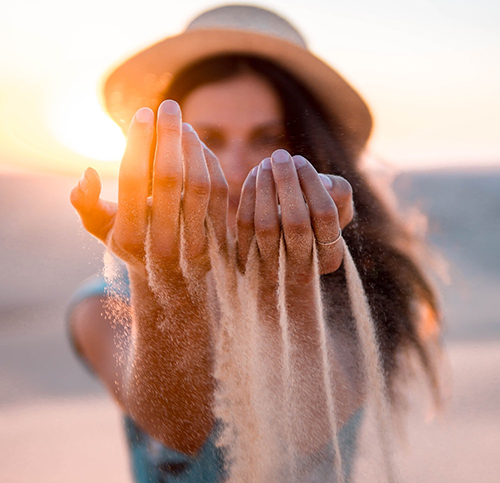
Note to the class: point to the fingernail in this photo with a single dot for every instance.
(83, 183)
(280, 156)
(169, 107)
(187, 127)
(144, 115)
(299, 161)
(327, 182)
(254, 171)
(266, 163)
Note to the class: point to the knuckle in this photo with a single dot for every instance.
(330, 262)
(167, 180)
(199, 187)
(245, 222)
(219, 187)
(330, 266)
(297, 227)
(163, 257)
(266, 228)
(327, 214)
(122, 244)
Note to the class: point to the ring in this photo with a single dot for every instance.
(329, 244)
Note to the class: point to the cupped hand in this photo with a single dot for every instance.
(160, 229)
(286, 195)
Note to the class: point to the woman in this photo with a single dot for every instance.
(250, 94)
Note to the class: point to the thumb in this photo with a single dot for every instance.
(97, 215)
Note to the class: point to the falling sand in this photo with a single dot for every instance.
(275, 398)
(261, 372)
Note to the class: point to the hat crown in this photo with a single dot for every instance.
(248, 18)
(232, 30)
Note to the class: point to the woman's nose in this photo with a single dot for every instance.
(236, 164)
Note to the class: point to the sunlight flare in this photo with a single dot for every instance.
(79, 123)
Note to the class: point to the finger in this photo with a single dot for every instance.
(167, 185)
(245, 229)
(294, 212)
(129, 231)
(324, 215)
(341, 191)
(96, 214)
(85, 195)
(267, 222)
(196, 194)
(217, 206)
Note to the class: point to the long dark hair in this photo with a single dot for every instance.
(401, 298)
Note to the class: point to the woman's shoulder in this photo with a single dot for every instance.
(116, 284)
(90, 325)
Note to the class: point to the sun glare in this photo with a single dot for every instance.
(79, 123)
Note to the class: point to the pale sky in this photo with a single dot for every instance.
(428, 69)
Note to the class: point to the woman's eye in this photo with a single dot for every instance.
(212, 139)
(269, 140)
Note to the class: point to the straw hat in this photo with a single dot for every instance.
(235, 29)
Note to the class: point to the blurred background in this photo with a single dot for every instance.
(430, 72)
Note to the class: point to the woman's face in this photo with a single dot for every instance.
(241, 121)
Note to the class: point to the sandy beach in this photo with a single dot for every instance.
(58, 425)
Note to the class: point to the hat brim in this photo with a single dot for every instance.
(142, 80)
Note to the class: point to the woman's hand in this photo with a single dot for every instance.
(285, 193)
(285, 196)
(142, 229)
(162, 238)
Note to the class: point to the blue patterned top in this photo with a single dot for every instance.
(153, 462)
